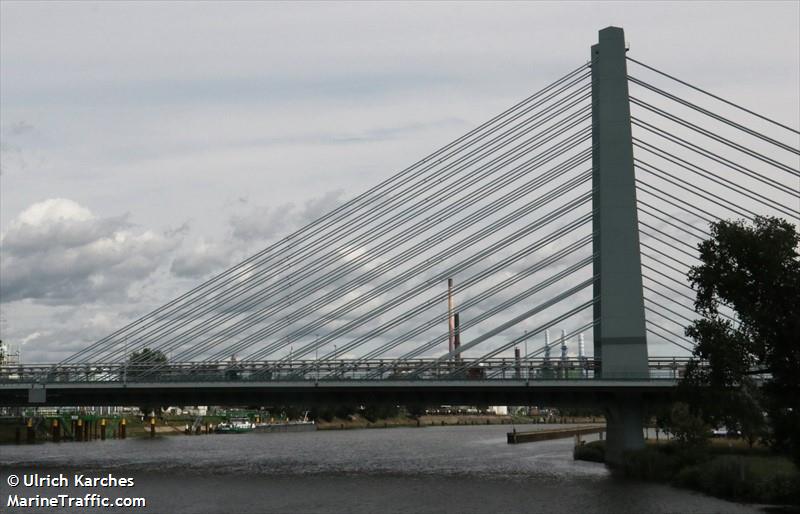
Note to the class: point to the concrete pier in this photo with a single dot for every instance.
(533, 436)
(624, 418)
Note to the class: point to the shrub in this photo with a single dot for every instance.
(651, 464)
(594, 451)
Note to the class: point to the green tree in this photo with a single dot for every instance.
(139, 365)
(753, 270)
(687, 427)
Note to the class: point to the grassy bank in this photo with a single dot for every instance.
(733, 472)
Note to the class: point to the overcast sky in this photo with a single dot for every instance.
(147, 145)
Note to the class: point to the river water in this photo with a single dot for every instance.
(463, 469)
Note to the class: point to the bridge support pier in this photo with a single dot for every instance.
(624, 415)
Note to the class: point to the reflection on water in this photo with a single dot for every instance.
(435, 469)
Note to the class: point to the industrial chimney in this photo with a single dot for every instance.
(450, 323)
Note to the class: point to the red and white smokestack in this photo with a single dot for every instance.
(450, 322)
(457, 337)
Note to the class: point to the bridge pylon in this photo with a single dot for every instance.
(620, 343)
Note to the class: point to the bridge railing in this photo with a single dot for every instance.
(498, 369)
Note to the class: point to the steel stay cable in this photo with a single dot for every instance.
(482, 296)
(684, 295)
(423, 287)
(339, 209)
(651, 236)
(673, 300)
(712, 95)
(391, 264)
(489, 313)
(673, 279)
(508, 324)
(461, 266)
(495, 309)
(687, 307)
(385, 287)
(467, 364)
(711, 155)
(453, 227)
(687, 297)
(254, 283)
(465, 285)
(541, 243)
(669, 340)
(666, 308)
(278, 325)
(686, 186)
(713, 115)
(719, 139)
(673, 268)
(205, 303)
(649, 309)
(686, 206)
(647, 209)
(670, 236)
(714, 178)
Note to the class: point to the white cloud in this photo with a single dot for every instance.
(202, 259)
(56, 251)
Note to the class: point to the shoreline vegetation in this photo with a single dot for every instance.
(725, 468)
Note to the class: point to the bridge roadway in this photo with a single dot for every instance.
(419, 381)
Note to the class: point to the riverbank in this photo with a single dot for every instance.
(136, 427)
(726, 469)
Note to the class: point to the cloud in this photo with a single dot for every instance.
(262, 223)
(57, 252)
(199, 261)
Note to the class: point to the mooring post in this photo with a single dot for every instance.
(620, 343)
(30, 432)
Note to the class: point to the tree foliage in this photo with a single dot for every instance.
(751, 273)
(139, 365)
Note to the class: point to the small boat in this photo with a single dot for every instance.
(302, 425)
(235, 426)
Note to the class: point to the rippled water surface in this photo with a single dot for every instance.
(427, 470)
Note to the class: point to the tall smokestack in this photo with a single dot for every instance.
(450, 323)
(563, 345)
(581, 348)
(546, 346)
(457, 336)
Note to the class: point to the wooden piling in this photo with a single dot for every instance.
(30, 433)
(122, 428)
(152, 427)
(103, 429)
(79, 430)
(55, 430)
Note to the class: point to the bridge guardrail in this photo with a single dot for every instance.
(331, 370)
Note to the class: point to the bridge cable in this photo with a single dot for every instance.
(748, 111)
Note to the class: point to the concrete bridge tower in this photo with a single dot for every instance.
(620, 343)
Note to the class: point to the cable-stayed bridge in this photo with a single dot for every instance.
(578, 209)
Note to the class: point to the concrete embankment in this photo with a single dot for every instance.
(533, 436)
